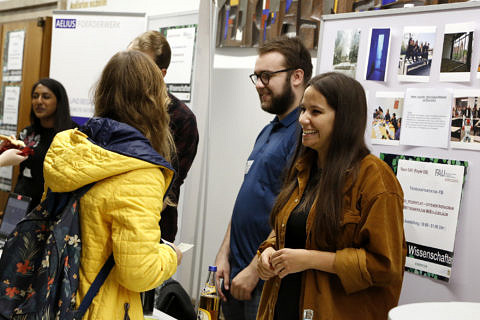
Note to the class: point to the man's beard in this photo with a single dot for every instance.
(281, 103)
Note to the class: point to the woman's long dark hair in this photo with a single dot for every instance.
(346, 149)
(62, 114)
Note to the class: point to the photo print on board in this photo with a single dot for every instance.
(465, 127)
(457, 52)
(378, 55)
(416, 54)
(346, 51)
(387, 118)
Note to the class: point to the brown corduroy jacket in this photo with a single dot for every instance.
(370, 255)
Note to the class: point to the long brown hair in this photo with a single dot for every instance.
(346, 149)
(131, 90)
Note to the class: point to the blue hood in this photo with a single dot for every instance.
(121, 138)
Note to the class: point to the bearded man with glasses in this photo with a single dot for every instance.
(282, 70)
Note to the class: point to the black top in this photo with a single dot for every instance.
(183, 126)
(30, 179)
(288, 300)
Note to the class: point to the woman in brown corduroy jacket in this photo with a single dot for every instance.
(337, 245)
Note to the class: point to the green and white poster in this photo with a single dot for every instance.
(182, 43)
(432, 191)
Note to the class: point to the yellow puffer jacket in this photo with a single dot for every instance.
(119, 214)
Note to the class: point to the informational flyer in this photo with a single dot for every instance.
(179, 75)
(16, 41)
(11, 101)
(12, 64)
(426, 117)
(432, 192)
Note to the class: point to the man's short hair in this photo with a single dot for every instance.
(156, 43)
(295, 53)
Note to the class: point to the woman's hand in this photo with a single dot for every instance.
(264, 267)
(11, 157)
(178, 252)
(286, 261)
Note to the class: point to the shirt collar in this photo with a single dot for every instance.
(291, 118)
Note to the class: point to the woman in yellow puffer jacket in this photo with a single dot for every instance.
(125, 150)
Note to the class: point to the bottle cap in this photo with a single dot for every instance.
(212, 268)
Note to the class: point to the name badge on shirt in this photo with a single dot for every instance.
(27, 172)
(248, 165)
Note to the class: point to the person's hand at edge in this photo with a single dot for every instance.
(11, 157)
(245, 282)
(223, 272)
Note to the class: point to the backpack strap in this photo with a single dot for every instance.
(101, 276)
(80, 192)
(94, 288)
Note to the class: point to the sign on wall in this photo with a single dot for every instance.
(179, 75)
(13, 59)
(82, 43)
(432, 192)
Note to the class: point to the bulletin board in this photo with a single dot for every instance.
(397, 79)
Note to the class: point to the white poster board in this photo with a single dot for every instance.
(432, 193)
(464, 281)
(179, 76)
(180, 29)
(82, 43)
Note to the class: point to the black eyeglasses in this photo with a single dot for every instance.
(265, 76)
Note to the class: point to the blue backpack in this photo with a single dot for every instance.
(40, 263)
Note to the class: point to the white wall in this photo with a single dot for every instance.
(236, 120)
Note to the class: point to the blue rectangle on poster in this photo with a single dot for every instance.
(378, 54)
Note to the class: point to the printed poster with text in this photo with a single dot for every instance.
(432, 191)
(426, 117)
(179, 75)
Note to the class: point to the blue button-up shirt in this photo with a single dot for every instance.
(262, 182)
